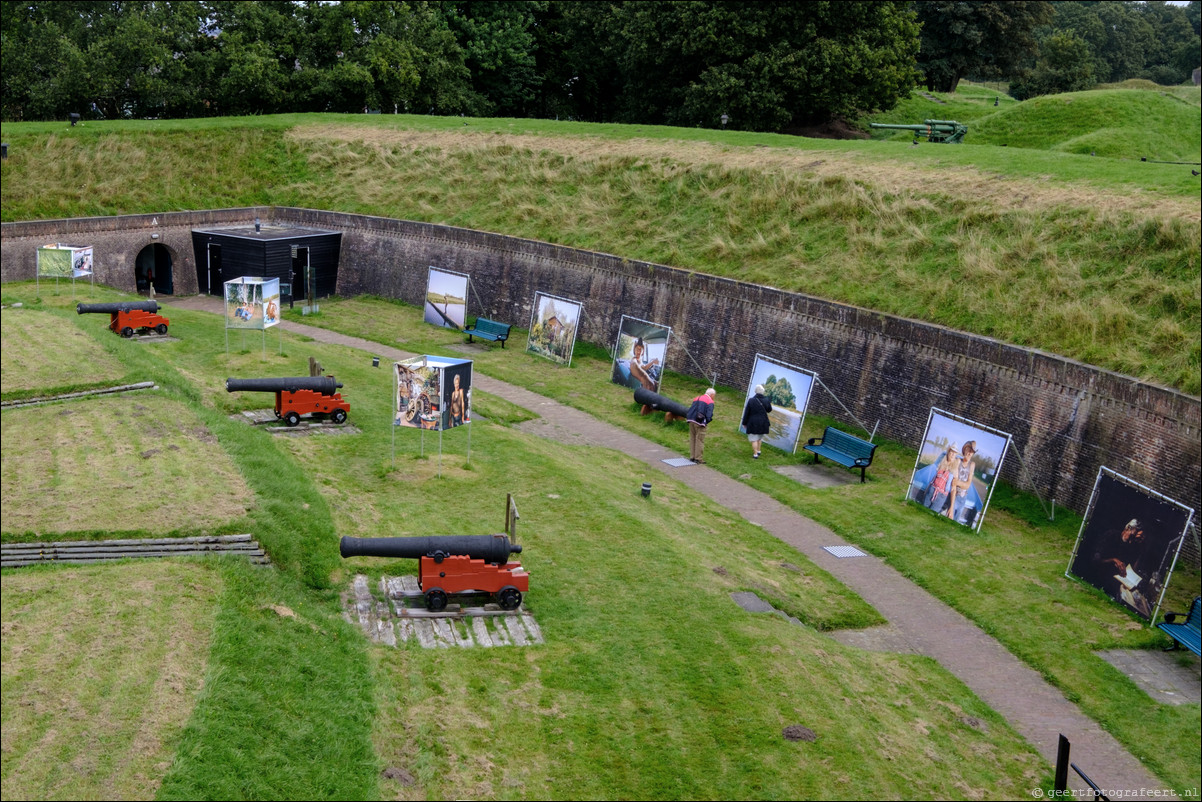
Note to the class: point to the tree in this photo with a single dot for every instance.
(768, 67)
(498, 43)
(1065, 64)
(1118, 36)
(1171, 33)
(984, 39)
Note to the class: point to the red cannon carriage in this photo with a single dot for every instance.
(297, 396)
(453, 564)
(127, 317)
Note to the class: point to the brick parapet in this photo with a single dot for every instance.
(1066, 418)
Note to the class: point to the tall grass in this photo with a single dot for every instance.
(1090, 257)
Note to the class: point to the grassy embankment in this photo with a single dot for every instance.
(1095, 258)
(653, 683)
(1059, 613)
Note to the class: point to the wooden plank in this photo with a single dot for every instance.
(500, 635)
(480, 631)
(153, 541)
(443, 633)
(536, 634)
(516, 630)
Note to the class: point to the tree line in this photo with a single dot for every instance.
(760, 66)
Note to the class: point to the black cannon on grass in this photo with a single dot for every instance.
(297, 396)
(126, 317)
(453, 564)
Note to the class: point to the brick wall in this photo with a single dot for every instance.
(1066, 418)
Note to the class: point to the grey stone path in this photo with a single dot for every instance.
(918, 622)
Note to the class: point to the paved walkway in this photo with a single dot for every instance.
(918, 622)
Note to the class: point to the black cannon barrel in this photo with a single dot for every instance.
(656, 401)
(493, 549)
(122, 306)
(326, 385)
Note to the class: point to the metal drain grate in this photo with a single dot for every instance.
(679, 462)
(845, 551)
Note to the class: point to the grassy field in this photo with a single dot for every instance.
(101, 676)
(665, 691)
(974, 574)
(626, 700)
(1037, 243)
(660, 689)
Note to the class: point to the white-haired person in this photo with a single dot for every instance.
(755, 419)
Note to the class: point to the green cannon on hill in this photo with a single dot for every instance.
(948, 131)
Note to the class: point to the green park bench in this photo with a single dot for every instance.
(1186, 633)
(487, 329)
(843, 448)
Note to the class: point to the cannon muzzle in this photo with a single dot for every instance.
(123, 306)
(494, 549)
(324, 385)
(656, 401)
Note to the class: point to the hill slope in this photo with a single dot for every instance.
(1093, 258)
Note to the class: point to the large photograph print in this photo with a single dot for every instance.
(446, 299)
(65, 261)
(788, 390)
(1129, 542)
(639, 354)
(958, 464)
(553, 328)
(244, 303)
(432, 392)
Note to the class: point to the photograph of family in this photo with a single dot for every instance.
(446, 299)
(786, 393)
(553, 328)
(639, 354)
(958, 463)
(1129, 541)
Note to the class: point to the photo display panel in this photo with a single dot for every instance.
(446, 299)
(639, 354)
(553, 326)
(957, 466)
(788, 389)
(1129, 542)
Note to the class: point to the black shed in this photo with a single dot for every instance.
(269, 250)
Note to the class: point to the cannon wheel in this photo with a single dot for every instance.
(338, 416)
(436, 600)
(291, 418)
(510, 598)
(161, 328)
(127, 332)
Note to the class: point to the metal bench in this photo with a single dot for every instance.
(843, 448)
(1185, 633)
(487, 329)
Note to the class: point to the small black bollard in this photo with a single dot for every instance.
(375, 361)
(646, 489)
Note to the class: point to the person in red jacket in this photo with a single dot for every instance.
(701, 413)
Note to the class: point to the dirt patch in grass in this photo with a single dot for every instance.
(26, 363)
(962, 183)
(85, 715)
(115, 464)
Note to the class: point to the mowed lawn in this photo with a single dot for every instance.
(653, 683)
(102, 667)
